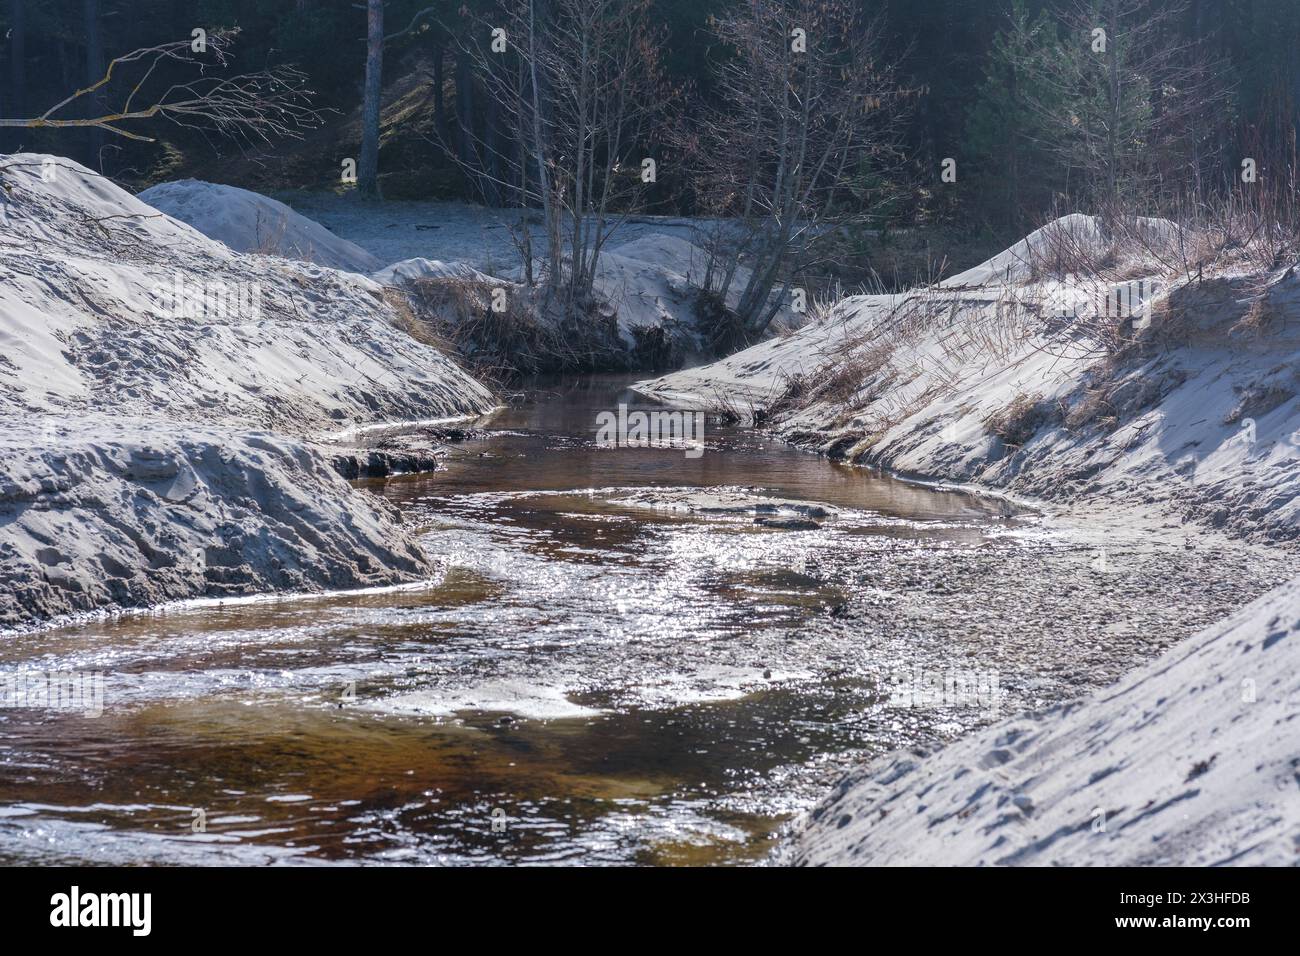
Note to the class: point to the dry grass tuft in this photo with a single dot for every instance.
(1020, 420)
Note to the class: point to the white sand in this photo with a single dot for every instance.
(1205, 426)
(646, 274)
(1192, 760)
(101, 376)
(250, 222)
(104, 511)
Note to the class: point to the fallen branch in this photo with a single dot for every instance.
(264, 104)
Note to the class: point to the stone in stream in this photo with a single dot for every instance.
(788, 524)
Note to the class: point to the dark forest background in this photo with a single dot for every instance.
(974, 62)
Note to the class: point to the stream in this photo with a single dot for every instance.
(616, 663)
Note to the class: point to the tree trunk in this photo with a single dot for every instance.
(537, 15)
(439, 101)
(1013, 184)
(17, 66)
(465, 148)
(492, 155)
(1112, 138)
(368, 168)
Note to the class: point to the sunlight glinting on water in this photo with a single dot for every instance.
(615, 656)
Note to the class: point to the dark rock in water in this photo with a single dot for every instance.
(806, 511)
(788, 524)
(380, 463)
(454, 434)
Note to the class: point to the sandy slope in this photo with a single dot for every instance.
(1200, 418)
(108, 510)
(1194, 759)
(89, 320)
(103, 366)
(250, 222)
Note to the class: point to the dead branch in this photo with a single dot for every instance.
(259, 105)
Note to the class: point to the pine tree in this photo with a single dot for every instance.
(1127, 102)
(1016, 173)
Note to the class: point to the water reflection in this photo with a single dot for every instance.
(622, 682)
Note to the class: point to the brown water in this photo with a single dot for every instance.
(587, 680)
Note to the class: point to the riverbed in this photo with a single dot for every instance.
(617, 662)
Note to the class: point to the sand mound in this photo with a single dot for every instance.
(1056, 244)
(1189, 761)
(107, 303)
(141, 363)
(250, 222)
(1192, 407)
(409, 270)
(112, 511)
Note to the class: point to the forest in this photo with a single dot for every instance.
(1016, 93)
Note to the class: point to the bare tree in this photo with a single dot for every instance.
(247, 106)
(368, 172)
(806, 109)
(576, 88)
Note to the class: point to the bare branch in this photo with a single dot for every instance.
(258, 105)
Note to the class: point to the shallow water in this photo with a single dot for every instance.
(589, 679)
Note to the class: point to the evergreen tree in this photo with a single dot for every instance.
(1015, 172)
(1127, 103)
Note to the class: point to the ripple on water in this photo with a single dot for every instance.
(616, 664)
